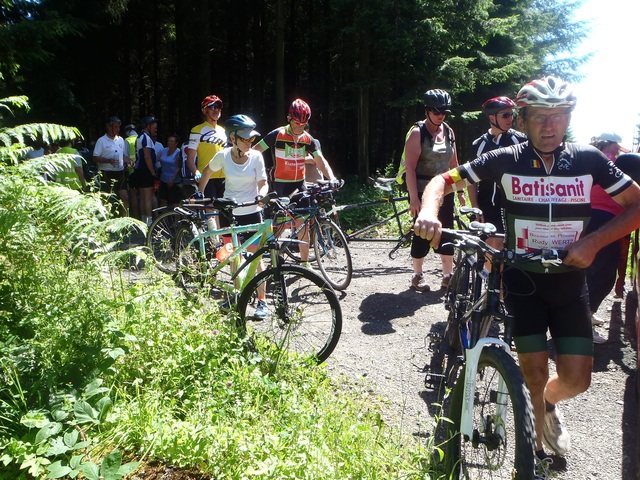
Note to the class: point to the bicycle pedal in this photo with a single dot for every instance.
(434, 380)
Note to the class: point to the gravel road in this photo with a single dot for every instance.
(384, 349)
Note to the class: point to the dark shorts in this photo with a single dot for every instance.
(286, 189)
(141, 178)
(555, 302)
(172, 194)
(420, 246)
(113, 181)
(214, 188)
(242, 220)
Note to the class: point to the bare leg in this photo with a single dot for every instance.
(303, 236)
(572, 378)
(417, 264)
(447, 264)
(535, 368)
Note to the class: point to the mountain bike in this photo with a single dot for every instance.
(304, 318)
(491, 432)
(161, 236)
(330, 245)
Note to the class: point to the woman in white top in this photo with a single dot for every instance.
(246, 179)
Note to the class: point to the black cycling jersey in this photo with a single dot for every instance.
(544, 209)
(488, 190)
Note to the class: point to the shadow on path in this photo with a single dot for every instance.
(377, 311)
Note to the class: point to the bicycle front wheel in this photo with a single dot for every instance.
(332, 254)
(458, 299)
(502, 444)
(304, 314)
(161, 240)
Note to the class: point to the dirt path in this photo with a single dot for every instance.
(385, 346)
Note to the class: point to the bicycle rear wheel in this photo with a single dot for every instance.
(304, 318)
(332, 253)
(161, 240)
(502, 445)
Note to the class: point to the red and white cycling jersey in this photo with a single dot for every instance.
(289, 154)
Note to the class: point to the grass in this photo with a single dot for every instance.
(101, 363)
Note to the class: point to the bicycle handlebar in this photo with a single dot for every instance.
(462, 239)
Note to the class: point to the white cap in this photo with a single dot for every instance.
(613, 137)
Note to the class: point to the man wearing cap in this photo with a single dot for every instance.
(545, 186)
(111, 155)
(205, 140)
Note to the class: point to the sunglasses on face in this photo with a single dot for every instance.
(437, 111)
(249, 140)
(505, 115)
(216, 106)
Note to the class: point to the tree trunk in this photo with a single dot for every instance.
(279, 47)
(363, 107)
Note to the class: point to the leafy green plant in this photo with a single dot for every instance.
(62, 433)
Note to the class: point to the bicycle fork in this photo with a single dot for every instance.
(470, 371)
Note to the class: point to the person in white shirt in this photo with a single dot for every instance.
(111, 156)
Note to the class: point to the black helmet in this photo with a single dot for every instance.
(148, 120)
(113, 119)
(438, 99)
(497, 104)
(241, 125)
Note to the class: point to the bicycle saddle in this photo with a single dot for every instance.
(224, 203)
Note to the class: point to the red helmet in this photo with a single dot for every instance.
(496, 104)
(210, 101)
(300, 111)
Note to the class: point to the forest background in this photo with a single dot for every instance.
(362, 65)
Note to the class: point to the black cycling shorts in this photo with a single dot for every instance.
(247, 219)
(557, 302)
(214, 188)
(420, 246)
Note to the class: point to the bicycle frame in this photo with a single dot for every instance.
(263, 233)
(356, 236)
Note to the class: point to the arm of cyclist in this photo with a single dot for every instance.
(146, 153)
(582, 252)
(453, 163)
(412, 150)
(215, 165)
(427, 224)
(324, 167)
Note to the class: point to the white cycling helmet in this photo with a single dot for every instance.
(547, 92)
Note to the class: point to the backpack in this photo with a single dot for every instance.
(424, 133)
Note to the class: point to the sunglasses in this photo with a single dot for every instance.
(215, 106)
(437, 111)
(506, 114)
(250, 140)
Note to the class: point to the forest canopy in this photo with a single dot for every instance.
(363, 66)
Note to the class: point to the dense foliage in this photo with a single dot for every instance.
(362, 65)
(104, 367)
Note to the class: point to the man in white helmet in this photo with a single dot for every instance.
(545, 185)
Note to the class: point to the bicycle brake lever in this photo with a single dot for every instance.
(550, 258)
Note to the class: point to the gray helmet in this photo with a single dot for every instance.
(241, 125)
(438, 99)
